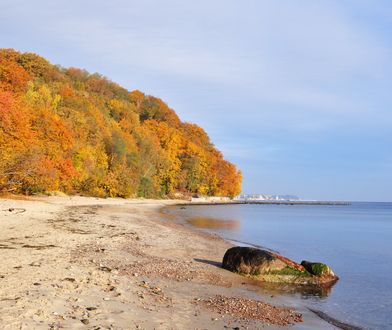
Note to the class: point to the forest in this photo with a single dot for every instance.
(66, 130)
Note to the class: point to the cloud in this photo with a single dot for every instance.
(262, 76)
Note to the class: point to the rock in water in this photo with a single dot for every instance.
(272, 267)
(251, 261)
(317, 268)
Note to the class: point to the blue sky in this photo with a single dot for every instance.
(296, 93)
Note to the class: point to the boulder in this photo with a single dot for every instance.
(317, 268)
(251, 261)
(272, 267)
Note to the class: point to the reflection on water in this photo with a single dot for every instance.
(305, 291)
(212, 223)
(355, 240)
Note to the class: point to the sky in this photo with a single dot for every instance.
(296, 93)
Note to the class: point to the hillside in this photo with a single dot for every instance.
(64, 129)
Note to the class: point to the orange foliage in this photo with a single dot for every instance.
(13, 77)
(68, 130)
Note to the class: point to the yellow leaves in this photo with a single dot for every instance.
(129, 122)
(229, 179)
(45, 98)
(124, 113)
(31, 96)
(172, 143)
(56, 101)
(120, 181)
(87, 159)
(42, 97)
(69, 130)
(192, 162)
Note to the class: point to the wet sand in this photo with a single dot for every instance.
(88, 263)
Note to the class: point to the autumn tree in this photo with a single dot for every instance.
(69, 130)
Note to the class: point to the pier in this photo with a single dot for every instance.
(269, 202)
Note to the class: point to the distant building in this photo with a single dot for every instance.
(263, 197)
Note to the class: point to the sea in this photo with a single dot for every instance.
(354, 240)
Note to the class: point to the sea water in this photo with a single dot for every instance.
(354, 240)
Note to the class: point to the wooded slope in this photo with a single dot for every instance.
(71, 131)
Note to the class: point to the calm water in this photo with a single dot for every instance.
(355, 240)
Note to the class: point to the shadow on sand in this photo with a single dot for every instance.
(209, 262)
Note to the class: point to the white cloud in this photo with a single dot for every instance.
(299, 70)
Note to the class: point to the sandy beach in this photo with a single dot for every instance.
(89, 263)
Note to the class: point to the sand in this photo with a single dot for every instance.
(88, 263)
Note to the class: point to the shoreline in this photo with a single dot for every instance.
(276, 288)
(83, 262)
(266, 202)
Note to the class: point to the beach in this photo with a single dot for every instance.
(89, 263)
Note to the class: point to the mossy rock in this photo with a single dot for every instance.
(317, 268)
(289, 271)
(270, 267)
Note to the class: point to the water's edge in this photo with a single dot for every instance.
(319, 313)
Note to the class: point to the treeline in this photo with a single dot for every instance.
(71, 131)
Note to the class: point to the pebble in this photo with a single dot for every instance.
(105, 268)
(85, 321)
